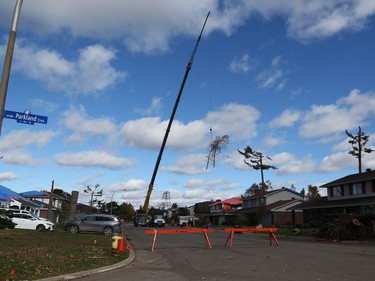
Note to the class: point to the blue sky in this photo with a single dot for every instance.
(286, 78)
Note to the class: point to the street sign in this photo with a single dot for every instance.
(26, 117)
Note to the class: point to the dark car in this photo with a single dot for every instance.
(106, 224)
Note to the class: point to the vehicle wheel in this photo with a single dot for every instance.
(73, 229)
(40, 227)
(108, 231)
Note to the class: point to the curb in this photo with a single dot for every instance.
(72, 276)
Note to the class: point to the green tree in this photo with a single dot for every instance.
(62, 193)
(254, 159)
(358, 143)
(254, 187)
(303, 192)
(312, 192)
(126, 211)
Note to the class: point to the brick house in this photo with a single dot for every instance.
(271, 208)
(353, 194)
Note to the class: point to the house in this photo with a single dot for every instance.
(271, 208)
(222, 209)
(43, 198)
(202, 211)
(353, 194)
(11, 199)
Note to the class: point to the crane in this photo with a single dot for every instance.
(145, 206)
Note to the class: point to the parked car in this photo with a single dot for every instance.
(158, 221)
(106, 224)
(30, 221)
(19, 211)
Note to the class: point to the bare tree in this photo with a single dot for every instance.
(216, 146)
(94, 194)
(254, 159)
(358, 143)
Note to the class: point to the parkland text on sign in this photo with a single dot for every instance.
(26, 117)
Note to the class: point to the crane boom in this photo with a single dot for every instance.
(188, 68)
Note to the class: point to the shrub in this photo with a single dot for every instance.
(6, 222)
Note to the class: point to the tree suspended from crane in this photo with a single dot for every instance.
(216, 146)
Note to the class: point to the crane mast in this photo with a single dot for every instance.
(188, 68)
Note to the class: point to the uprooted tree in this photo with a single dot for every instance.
(254, 159)
(358, 143)
(216, 146)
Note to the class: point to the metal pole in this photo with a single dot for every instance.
(188, 67)
(8, 60)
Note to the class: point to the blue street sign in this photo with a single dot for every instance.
(26, 117)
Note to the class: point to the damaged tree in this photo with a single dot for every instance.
(216, 146)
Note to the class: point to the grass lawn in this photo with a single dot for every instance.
(31, 255)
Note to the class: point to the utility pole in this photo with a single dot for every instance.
(8, 60)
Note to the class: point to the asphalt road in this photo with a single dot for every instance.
(185, 257)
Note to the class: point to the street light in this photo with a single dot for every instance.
(113, 195)
(8, 60)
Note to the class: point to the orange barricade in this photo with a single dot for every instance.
(231, 231)
(180, 231)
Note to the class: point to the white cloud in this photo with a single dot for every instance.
(22, 138)
(77, 120)
(237, 121)
(8, 176)
(91, 72)
(240, 64)
(286, 119)
(287, 164)
(273, 77)
(189, 165)
(348, 112)
(146, 26)
(93, 159)
(273, 141)
(337, 162)
(153, 108)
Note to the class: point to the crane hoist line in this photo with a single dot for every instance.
(188, 68)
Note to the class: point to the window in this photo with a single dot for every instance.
(337, 191)
(357, 188)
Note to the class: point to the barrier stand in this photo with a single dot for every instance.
(180, 231)
(270, 230)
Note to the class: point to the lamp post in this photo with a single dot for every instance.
(113, 195)
(8, 60)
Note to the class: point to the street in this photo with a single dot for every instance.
(185, 257)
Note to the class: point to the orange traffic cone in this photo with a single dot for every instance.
(120, 247)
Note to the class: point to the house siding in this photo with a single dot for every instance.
(347, 190)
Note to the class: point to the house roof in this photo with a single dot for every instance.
(266, 208)
(261, 193)
(230, 201)
(368, 175)
(10, 194)
(34, 193)
(323, 202)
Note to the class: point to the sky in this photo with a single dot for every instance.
(286, 78)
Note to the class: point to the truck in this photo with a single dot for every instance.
(140, 218)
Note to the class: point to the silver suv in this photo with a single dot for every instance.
(106, 224)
